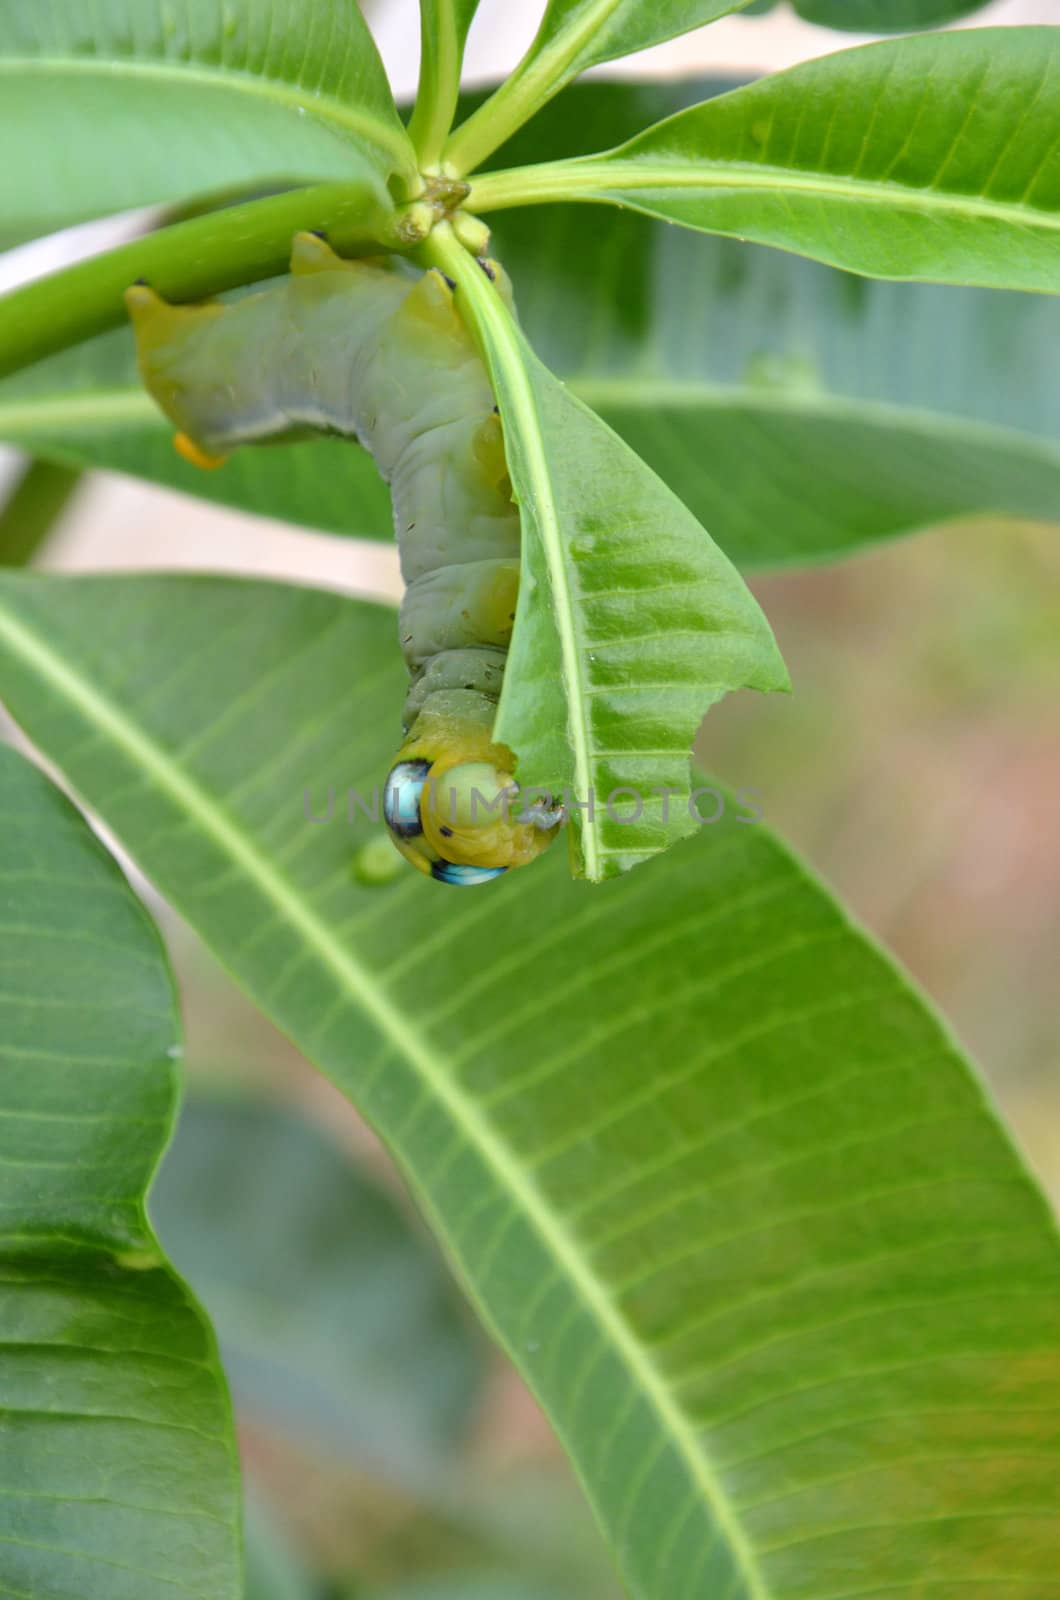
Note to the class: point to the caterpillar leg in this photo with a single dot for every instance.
(451, 802)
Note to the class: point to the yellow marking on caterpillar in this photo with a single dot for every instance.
(186, 447)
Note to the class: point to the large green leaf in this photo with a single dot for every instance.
(931, 157)
(713, 1173)
(335, 1319)
(630, 622)
(574, 35)
(118, 1478)
(797, 410)
(136, 102)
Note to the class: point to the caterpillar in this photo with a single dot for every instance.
(366, 350)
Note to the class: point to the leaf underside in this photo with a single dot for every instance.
(129, 103)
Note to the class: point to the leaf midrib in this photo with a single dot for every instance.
(598, 178)
(331, 113)
(111, 723)
(826, 405)
(506, 356)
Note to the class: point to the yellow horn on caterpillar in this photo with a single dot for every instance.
(310, 253)
(156, 321)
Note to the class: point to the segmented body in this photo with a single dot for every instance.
(369, 352)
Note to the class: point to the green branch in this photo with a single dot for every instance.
(441, 56)
(191, 260)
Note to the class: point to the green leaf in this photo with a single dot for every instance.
(335, 1319)
(574, 35)
(876, 16)
(87, 407)
(584, 33)
(885, 16)
(932, 157)
(799, 411)
(715, 1176)
(138, 102)
(118, 1477)
(630, 622)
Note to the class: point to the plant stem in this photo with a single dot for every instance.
(192, 260)
(539, 185)
(33, 509)
(441, 56)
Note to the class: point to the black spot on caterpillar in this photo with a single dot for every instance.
(276, 364)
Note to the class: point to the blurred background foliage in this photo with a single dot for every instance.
(390, 1452)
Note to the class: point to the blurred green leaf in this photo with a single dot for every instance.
(118, 1475)
(336, 1319)
(630, 622)
(712, 1171)
(875, 16)
(931, 157)
(272, 1570)
(799, 412)
(886, 16)
(129, 103)
(35, 505)
(471, 1586)
(87, 407)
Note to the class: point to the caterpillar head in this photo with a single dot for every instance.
(455, 811)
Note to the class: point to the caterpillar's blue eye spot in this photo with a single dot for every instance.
(463, 877)
(401, 798)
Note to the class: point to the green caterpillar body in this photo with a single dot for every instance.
(369, 352)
